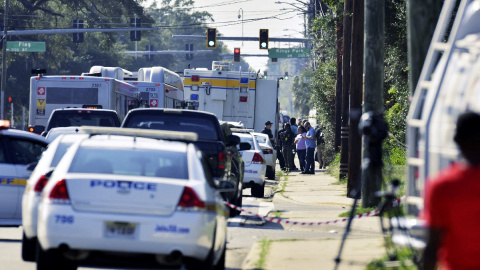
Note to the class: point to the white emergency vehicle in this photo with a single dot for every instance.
(448, 85)
(232, 95)
(125, 199)
(105, 90)
(18, 149)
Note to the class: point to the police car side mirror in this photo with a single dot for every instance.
(245, 146)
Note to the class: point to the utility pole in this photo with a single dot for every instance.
(422, 17)
(356, 91)
(4, 61)
(338, 87)
(347, 52)
(374, 72)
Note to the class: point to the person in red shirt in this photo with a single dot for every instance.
(452, 205)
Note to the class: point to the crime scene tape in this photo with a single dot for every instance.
(280, 220)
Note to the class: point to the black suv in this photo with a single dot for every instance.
(218, 146)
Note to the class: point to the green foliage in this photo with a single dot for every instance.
(104, 49)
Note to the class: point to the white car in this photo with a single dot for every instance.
(255, 166)
(269, 152)
(128, 199)
(18, 149)
(35, 184)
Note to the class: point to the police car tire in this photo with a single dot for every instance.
(270, 173)
(52, 259)
(258, 190)
(29, 247)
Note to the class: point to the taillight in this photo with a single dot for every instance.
(257, 158)
(267, 151)
(190, 199)
(41, 183)
(59, 193)
(222, 158)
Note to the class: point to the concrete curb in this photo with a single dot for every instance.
(253, 257)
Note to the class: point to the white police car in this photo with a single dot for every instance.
(269, 152)
(17, 150)
(132, 200)
(255, 165)
(35, 184)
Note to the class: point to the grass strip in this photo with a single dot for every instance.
(264, 248)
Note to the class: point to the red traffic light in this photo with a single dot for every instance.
(10, 99)
(236, 55)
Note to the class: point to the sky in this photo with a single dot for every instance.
(284, 20)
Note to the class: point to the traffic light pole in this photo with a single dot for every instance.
(4, 60)
(273, 39)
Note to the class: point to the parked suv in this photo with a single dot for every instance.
(218, 146)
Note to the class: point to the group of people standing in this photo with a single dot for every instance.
(302, 140)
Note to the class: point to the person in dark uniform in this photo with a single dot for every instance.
(279, 145)
(268, 130)
(288, 138)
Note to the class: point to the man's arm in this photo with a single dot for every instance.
(430, 252)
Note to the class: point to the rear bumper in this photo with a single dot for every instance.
(254, 173)
(190, 233)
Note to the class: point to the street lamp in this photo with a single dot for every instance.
(241, 16)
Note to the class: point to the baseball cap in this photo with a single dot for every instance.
(268, 123)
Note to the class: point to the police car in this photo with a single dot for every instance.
(17, 150)
(255, 164)
(269, 152)
(126, 199)
(35, 184)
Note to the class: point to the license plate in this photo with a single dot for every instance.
(122, 230)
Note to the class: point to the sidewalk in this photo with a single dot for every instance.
(315, 198)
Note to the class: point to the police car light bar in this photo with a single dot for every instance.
(242, 130)
(145, 133)
(4, 124)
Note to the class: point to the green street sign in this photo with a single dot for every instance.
(26, 46)
(289, 53)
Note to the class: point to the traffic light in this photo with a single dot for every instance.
(10, 99)
(149, 56)
(135, 35)
(236, 55)
(286, 75)
(265, 74)
(77, 37)
(263, 40)
(211, 38)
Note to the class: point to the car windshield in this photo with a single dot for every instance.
(261, 139)
(136, 162)
(203, 127)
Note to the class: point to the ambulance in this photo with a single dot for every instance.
(232, 95)
(102, 88)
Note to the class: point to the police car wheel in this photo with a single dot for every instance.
(52, 259)
(29, 247)
(258, 190)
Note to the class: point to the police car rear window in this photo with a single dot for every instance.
(135, 162)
